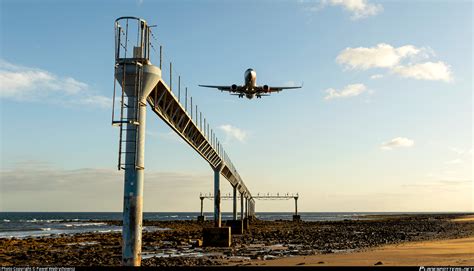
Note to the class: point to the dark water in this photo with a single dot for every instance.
(23, 224)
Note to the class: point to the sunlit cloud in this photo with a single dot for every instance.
(407, 61)
(436, 71)
(22, 83)
(359, 9)
(398, 142)
(348, 91)
(232, 132)
(380, 56)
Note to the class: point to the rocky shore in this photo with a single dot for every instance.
(266, 240)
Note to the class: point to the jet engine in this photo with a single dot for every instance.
(266, 88)
(233, 87)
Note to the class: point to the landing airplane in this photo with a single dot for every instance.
(250, 88)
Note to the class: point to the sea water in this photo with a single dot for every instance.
(26, 224)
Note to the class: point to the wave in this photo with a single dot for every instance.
(45, 229)
(112, 230)
(34, 220)
(86, 224)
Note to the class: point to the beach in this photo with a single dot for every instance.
(451, 252)
(413, 239)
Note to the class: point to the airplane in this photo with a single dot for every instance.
(250, 88)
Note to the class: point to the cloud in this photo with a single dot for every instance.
(21, 83)
(381, 56)
(234, 132)
(44, 187)
(348, 91)
(438, 71)
(376, 76)
(358, 8)
(404, 61)
(397, 142)
(462, 156)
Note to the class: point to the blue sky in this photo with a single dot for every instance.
(383, 123)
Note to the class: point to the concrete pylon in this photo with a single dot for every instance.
(128, 75)
(242, 206)
(234, 214)
(217, 195)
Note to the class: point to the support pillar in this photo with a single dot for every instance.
(296, 217)
(242, 206)
(236, 225)
(296, 205)
(202, 206)
(246, 216)
(217, 196)
(246, 208)
(201, 216)
(217, 236)
(234, 217)
(135, 155)
(133, 188)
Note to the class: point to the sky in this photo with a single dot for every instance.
(383, 121)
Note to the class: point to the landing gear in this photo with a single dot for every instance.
(241, 95)
(258, 96)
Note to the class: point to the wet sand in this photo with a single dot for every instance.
(267, 242)
(467, 218)
(453, 252)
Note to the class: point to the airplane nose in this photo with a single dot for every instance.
(248, 75)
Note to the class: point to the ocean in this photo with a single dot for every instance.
(34, 224)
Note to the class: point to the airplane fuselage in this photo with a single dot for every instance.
(250, 79)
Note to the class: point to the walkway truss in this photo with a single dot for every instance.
(165, 104)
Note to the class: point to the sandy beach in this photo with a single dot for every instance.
(453, 252)
(423, 239)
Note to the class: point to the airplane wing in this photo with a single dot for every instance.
(232, 88)
(269, 89)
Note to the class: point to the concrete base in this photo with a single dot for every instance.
(296, 218)
(216, 237)
(246, 224)
(236, 226)
(201, 218)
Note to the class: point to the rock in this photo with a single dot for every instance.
(196, 243)
(378, 263)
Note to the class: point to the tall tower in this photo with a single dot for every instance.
(137, 77)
